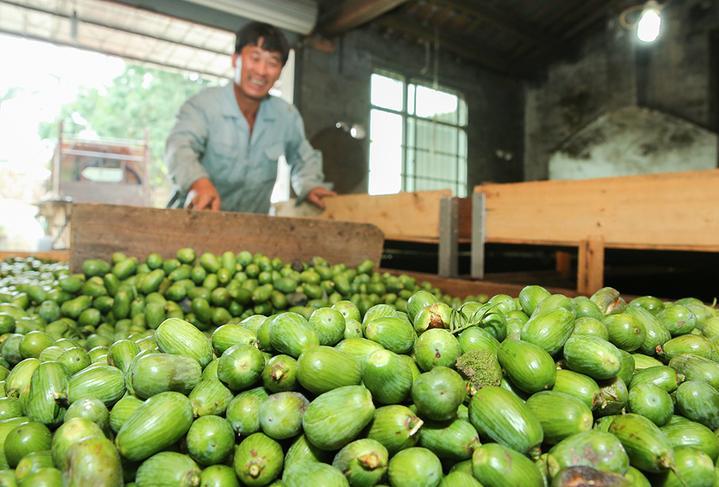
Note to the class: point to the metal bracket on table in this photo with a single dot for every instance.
(448, 264)
(478, 236)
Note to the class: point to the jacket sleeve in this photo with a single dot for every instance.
(305, 162)
(186, 145)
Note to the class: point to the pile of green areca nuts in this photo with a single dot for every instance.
(238, 369)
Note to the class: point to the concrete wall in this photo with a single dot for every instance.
(336, 86)
(644, 141)
(613, 71)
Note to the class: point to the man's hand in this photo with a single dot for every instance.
(203, 196)
(316, 194)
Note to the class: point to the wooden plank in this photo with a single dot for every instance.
(465, 219)
(676, 211)
(466, 287)
(501, 18)
(448, 258)
(544, 277)
(59, 255)
(461, 45)
(349, 14)
(563, 262)
(590, 273)
(622, 245)
(401, 216)
(408, 216)
(99, 230)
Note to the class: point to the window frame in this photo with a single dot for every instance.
(406, 178)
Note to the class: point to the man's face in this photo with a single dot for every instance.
(260, 69)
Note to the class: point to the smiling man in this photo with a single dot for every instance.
(222, 152)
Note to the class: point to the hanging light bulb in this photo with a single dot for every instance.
(650, 22)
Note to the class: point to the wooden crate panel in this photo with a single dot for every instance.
(465, 219)
(98, 230)
(59, 255)
(466, 287)
(410, 216)
(663, 211)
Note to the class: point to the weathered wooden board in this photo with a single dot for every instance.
(674, 211)
(59, 255)
(465, 219)
(563, 263)
(98, 230)
(590, 266)
(465, 287)
(411, 216)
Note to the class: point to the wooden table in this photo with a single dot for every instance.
(670, 211)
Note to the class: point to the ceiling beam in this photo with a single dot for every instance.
(460, 46)
(541, 55)
(504, 20)
(353, 13)
(199, 13)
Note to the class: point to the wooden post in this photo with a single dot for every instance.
(57, 161)
(590, 273)
(563, 263)
(448, 263)
(478, 236)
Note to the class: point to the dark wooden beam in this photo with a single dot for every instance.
(461, 46)
(595, 15)
(540, 55)
(502, 19)
(353, 13)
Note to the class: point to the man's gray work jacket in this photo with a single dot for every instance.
(211, 139)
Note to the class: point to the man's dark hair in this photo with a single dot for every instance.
(272, 39)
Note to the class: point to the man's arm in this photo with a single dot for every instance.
(305, 165)
(183, 150)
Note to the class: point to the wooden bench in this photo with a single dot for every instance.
(419, 217)
(669, 211)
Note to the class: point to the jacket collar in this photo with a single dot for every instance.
(231, 109)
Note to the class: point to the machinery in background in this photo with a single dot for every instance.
(112, 171)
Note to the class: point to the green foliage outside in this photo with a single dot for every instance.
(140, 100)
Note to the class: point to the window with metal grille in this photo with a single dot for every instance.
(418, 136)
